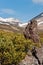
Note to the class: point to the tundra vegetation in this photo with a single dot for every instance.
(14, 47)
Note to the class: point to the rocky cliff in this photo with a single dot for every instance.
(31, 32)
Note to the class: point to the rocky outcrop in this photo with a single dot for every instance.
(31, 31)
(30, 60)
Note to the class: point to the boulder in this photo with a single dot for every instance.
(31, 31)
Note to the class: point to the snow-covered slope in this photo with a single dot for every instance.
(11, 24)
(12, 21)
(19, 25)
(23, 24)
(9, 21)
(39, 19)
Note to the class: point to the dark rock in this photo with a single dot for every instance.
(31, 31)
(30, 60)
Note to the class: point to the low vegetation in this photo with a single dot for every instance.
(41, 37)
(14, 47)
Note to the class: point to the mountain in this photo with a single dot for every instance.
(12, 24)
(39, 19)
(12, 21)
(16, 25)
(9, 21)
(9, 24)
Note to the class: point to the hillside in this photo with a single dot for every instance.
(29, 59)
(14, 47)
(16, 25)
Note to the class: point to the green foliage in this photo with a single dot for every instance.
(13, 47)
(41, 37)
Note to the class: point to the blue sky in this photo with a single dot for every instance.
(23, 10)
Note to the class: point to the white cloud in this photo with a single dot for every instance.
(37, 1)
(7, 11)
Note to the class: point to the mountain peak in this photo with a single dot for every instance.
(9, 19)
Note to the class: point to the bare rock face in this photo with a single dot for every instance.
(31, 31)
(30, 60)
(36, 57)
